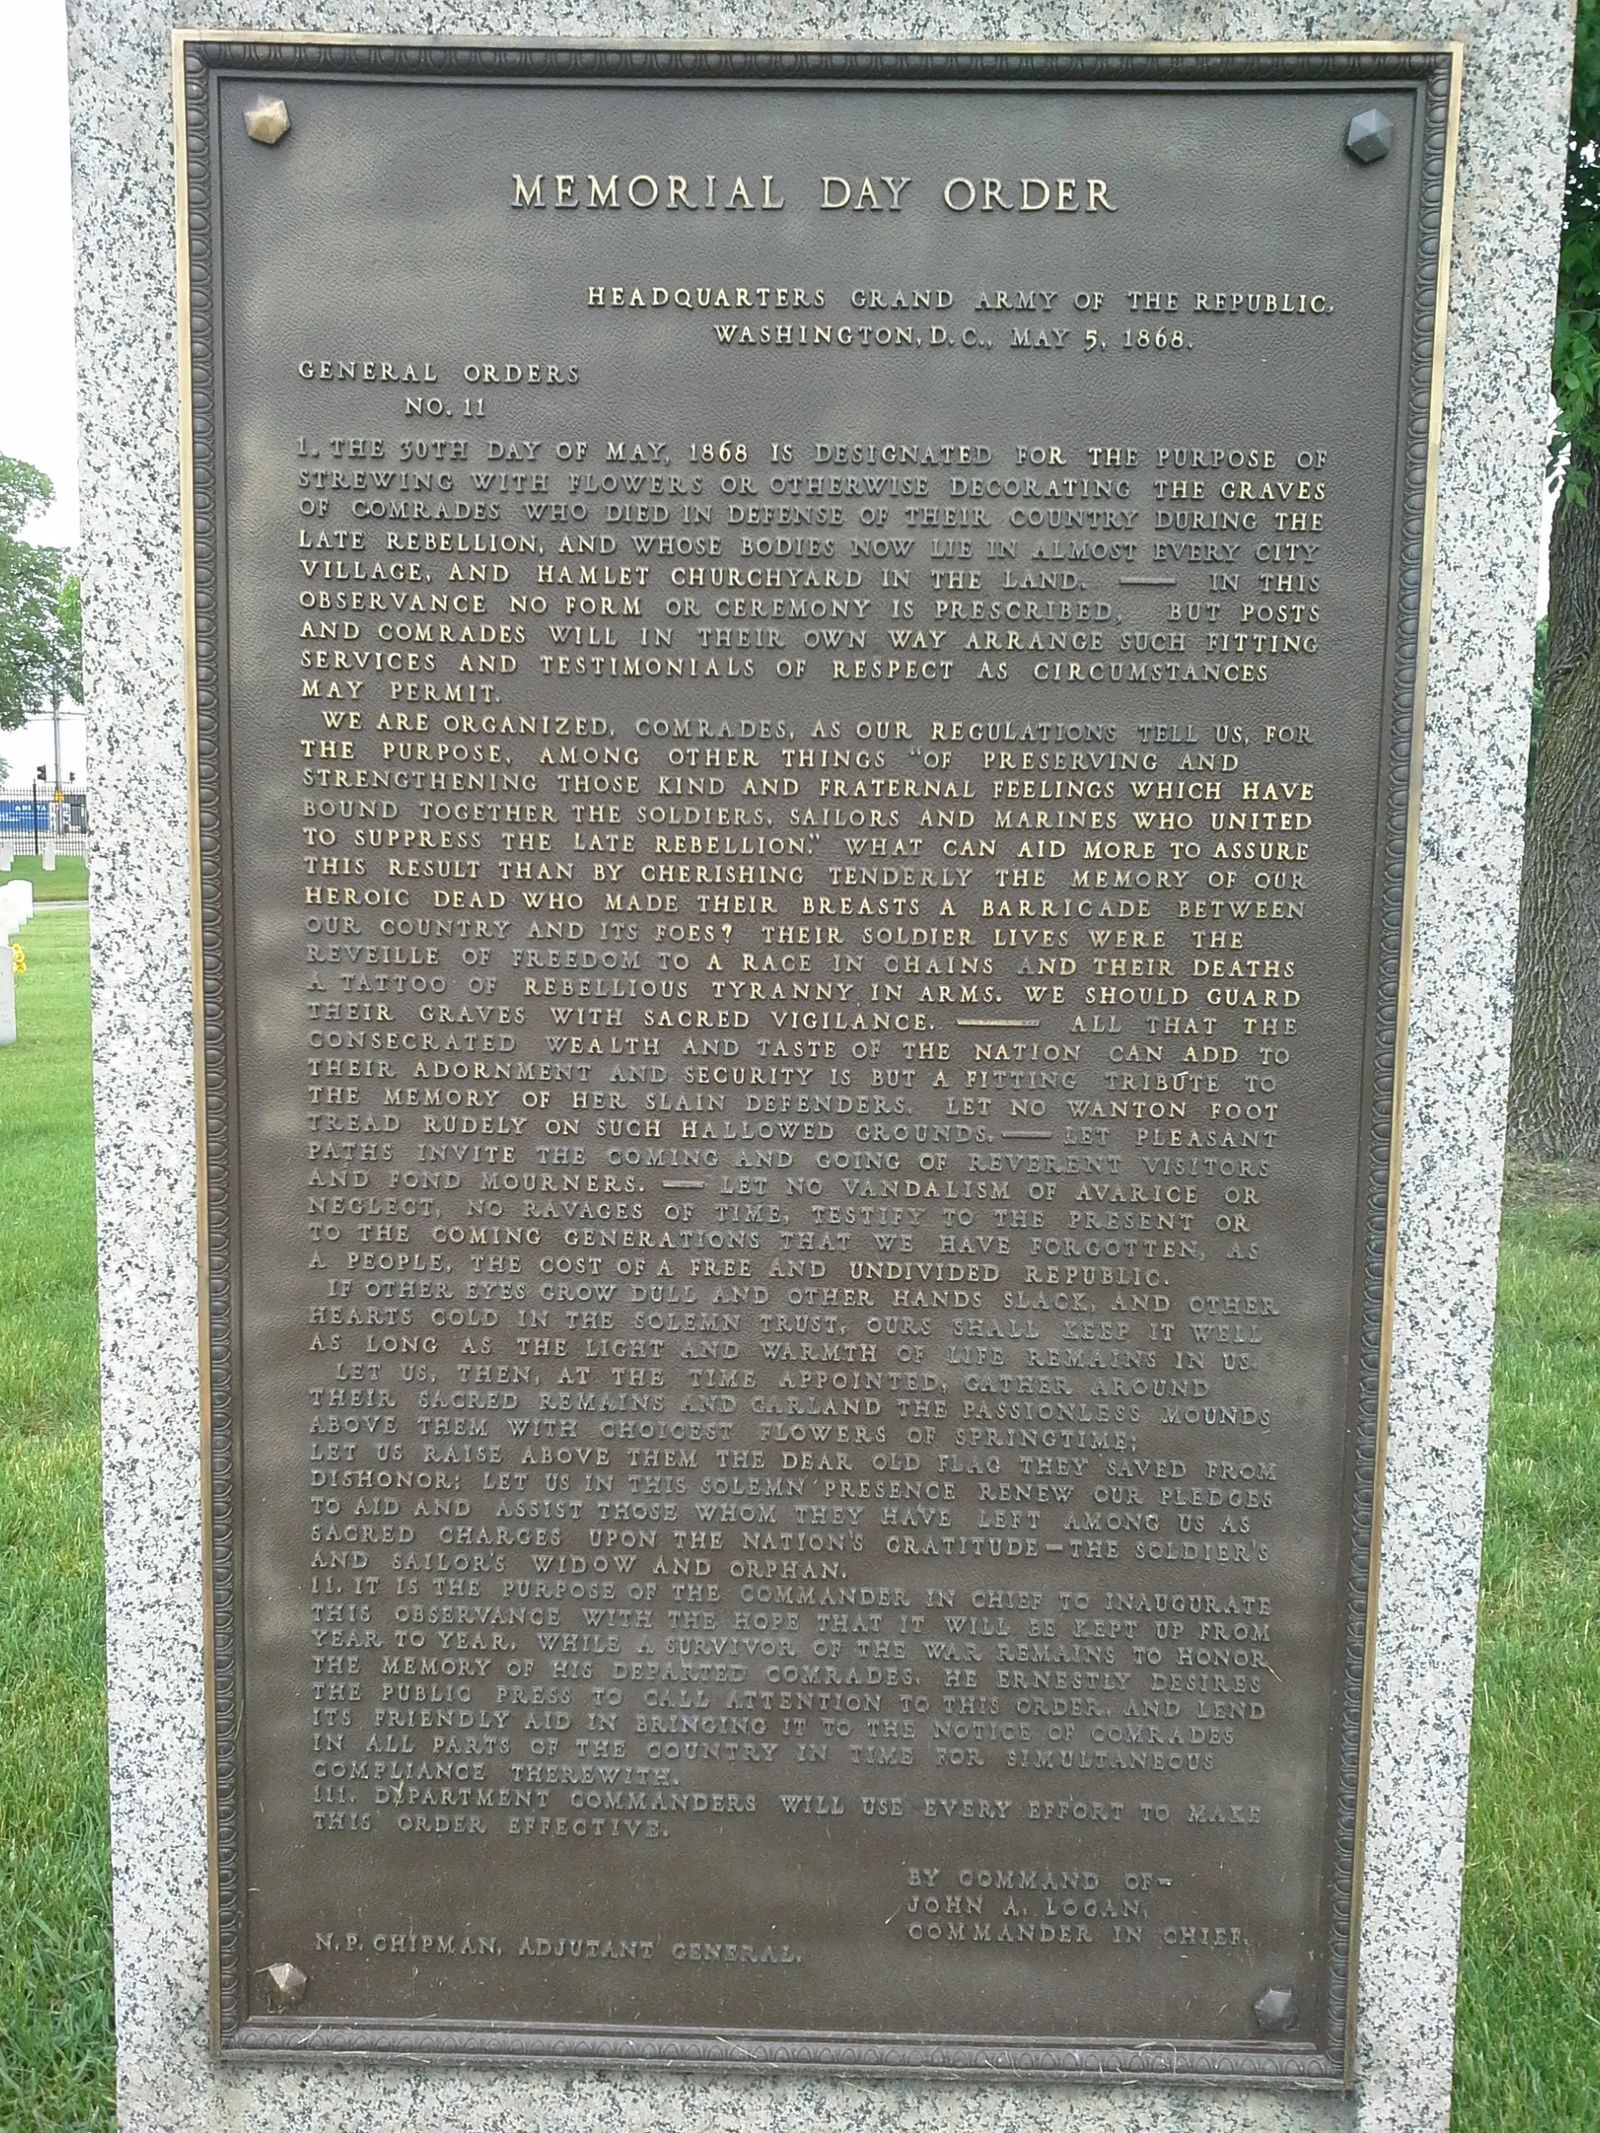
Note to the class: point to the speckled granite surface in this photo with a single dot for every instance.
(1512, 136)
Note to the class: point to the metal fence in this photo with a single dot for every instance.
(29, 814)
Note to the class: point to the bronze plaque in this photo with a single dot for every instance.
(804, 682)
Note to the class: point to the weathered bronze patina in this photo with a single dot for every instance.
(804, 686)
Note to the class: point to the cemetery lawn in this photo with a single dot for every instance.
(55, 1940)
(1529, 2025)
(66, 883)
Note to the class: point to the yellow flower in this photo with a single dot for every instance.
(19, 962)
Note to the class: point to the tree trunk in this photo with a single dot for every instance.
(1555, 1045)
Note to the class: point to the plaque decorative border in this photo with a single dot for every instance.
(201, 59)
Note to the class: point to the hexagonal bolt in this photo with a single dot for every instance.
(267, 121)
(1369, 136)
(1277, 2009)
(288, 1984)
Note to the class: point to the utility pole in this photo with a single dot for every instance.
(55, 730)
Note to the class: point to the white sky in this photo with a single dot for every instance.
(38, 417)
(38, 412)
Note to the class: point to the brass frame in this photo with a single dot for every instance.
(1435, 66)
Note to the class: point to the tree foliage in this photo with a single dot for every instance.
(1555, 1050)
(67, 675)
(1575, 356)
(41, 658)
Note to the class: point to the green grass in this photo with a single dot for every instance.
(1529, 2028)
(1528, 2036)
(66, 883)
(55, 1939)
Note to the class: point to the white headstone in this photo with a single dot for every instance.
(16, 906)
(8, 996)
(48, 856)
